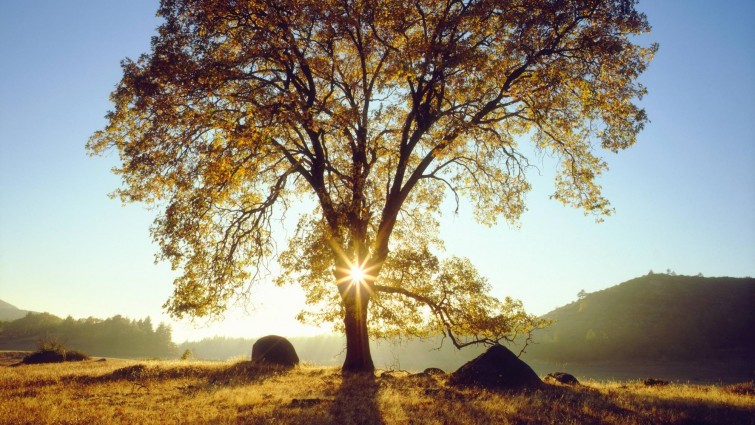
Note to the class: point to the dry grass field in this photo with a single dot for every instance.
(166, 392)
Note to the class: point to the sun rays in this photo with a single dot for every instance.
(358, 277)
(357, 274)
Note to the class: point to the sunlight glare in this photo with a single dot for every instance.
(357, 273)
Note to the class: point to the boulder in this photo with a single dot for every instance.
(497, 368)
(653, 382)
(434, 371)
(561, 378)
(274, 350)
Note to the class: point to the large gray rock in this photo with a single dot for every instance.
(274, 350)
(497, 368)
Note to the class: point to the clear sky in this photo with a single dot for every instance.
(684, 195)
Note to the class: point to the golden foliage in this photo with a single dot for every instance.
(374, 110)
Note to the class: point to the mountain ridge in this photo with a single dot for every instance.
(657, 316)
(9, 312)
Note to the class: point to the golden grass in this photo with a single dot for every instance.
(128, 391)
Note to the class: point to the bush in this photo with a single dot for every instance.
(75, 356)
(53, 352)
(44, 356)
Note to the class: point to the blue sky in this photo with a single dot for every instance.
(684, 195)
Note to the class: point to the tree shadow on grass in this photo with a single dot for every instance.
(356, 401)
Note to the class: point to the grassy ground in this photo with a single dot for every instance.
(128, 391)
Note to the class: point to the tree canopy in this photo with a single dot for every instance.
(375, 111)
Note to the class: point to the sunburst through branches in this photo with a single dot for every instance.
(357, 274)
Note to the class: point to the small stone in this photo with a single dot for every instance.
(561, 378)
(652, 382)
(434, 371)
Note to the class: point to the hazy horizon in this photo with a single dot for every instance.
(183, 332)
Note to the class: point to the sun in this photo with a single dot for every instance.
(357, 273)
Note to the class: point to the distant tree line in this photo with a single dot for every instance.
(218, 348)
(117, 336)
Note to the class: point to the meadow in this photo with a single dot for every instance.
(187, 391)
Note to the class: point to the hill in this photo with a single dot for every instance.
(654, 317)
(10, 312)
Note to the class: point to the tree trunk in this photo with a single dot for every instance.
(358, 357)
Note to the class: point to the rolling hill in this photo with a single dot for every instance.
(10, 312)
(654, 317)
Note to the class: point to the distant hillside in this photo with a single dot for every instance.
(10, 312)
(658, 317)
(652, 318)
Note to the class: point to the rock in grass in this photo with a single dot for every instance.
(274, 350)
(434, 371)
(561, 378)
(652, 382)
(497, 368)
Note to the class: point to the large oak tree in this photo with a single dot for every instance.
(374, 110)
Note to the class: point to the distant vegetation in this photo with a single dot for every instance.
(654, 317)
(116, 336)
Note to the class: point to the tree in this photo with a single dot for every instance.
(372, 112)
(163, 341)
